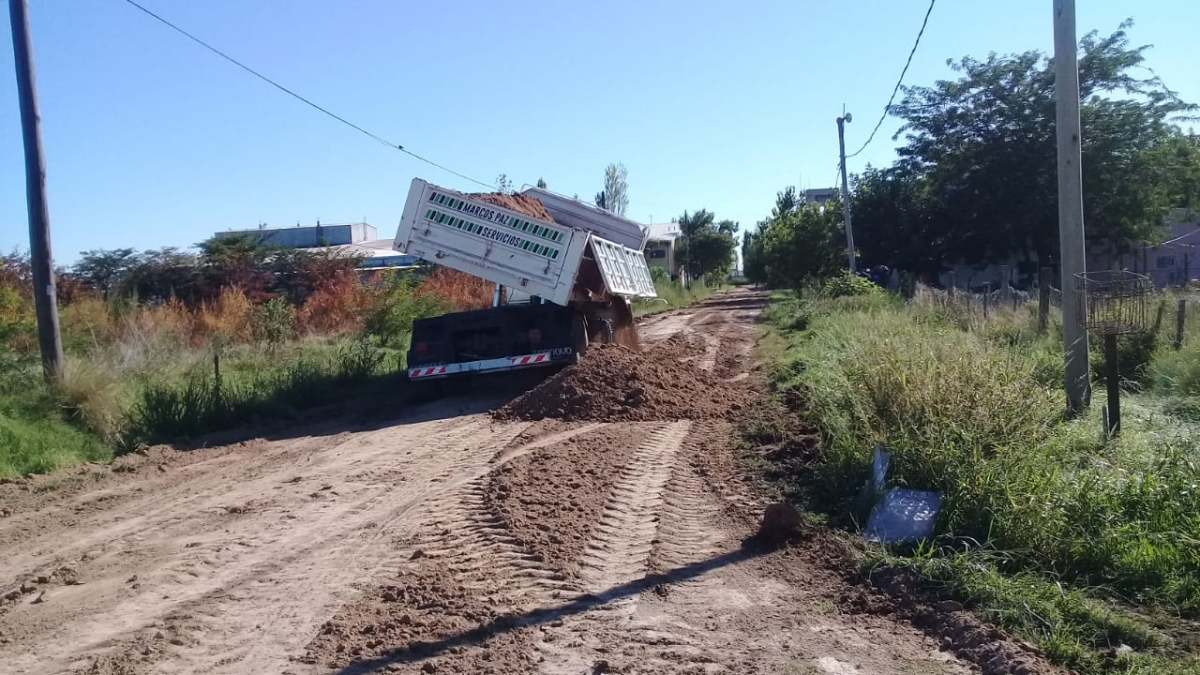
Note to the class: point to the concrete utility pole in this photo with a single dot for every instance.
(44, 294)
(842, 122)
(1070, 206)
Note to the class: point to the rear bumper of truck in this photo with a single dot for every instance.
(490, 365)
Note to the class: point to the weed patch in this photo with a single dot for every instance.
(1046, 528)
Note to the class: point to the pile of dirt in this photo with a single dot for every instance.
(614, 384)
(552, 498)
(530, 206)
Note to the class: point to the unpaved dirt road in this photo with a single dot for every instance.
(442, 541)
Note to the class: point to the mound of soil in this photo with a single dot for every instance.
(530, 206)
(614, 384)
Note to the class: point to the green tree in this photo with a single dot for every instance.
(704, 247)
(104, 270)
(802, 244)
(541, 183)
(980, 150)
(615, 195)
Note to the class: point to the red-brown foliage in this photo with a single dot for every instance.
(460, 289)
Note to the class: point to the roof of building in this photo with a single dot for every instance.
(664, 231)
(373, 250)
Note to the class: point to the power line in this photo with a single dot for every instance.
(289, 92)
(899, 82)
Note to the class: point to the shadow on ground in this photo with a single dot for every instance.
(416, 652)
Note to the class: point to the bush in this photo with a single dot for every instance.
(396, 306)
(273, 324)
(849, 284)
(90, 396)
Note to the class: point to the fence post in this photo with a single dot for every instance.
(1005, 287)
(950, 281)
(1179, 318)
(1044, 298)
(1158, 317)
(987, 298)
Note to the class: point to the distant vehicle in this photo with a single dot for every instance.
(569, 281)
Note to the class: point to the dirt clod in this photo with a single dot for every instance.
(780, 522)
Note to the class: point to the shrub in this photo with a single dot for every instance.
(396, 306)
(89, 395)
(849, 284)
(273, 323)
(228, 319)
(86, 323)
(459, 289)
(338, 306)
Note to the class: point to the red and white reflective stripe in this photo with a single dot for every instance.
(423, 372)
(532, 358)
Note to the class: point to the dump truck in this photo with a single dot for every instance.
(565, 275)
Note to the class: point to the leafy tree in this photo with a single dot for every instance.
(704, 247)
(615, 196)
(1178, 164)
(898, 222)
(801, 244)
(541, 183)
(164, 273)
(103, 270)
(504, 184)
(728, 227)
(980, 153)
(754, 264)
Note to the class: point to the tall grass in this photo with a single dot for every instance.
(143, 373)
(205, 402)
(972, 407)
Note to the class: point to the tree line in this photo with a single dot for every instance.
(975, 181)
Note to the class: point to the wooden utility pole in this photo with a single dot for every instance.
(1072, 260)
(841, 122)
(45, 298)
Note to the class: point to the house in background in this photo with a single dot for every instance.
(358, 239)
(820, 195)
(1172, 262)
(660, 247)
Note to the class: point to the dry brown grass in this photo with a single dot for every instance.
(229, 318)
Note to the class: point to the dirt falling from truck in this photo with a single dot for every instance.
(614, 384)
(530, 206)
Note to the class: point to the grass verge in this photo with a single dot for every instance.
(1075, 543)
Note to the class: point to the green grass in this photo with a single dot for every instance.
(115, 400)
(35, 433)
(1045, 527)
(671, 295)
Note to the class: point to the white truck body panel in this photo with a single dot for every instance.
(529, 255)
(583, 216)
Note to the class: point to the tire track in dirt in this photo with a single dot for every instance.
(626, 529)
(242, 592)
(476, 544)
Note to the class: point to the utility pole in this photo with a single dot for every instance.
(842, 122)
(44, 294)
(1070, 207)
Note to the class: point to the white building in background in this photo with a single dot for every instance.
(660, 247)
(359, 239)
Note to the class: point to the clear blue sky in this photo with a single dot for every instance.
(153, 141)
